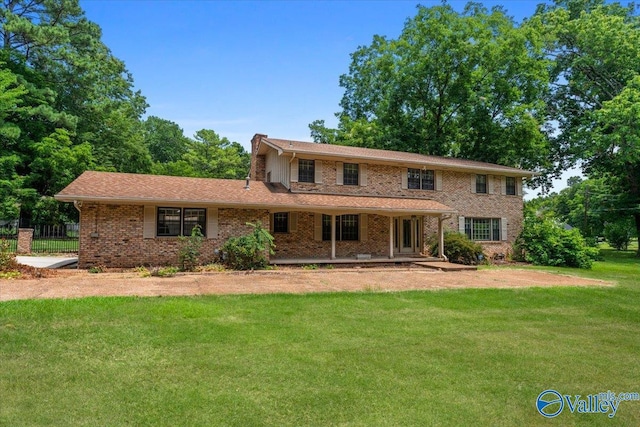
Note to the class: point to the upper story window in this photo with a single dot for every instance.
(281, 222)
(306, 170)
(510, 186)
(421, 179)
(180, 221)
(350, 174)
(481, 184)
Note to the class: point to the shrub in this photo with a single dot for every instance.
(618, 234)
(248, 252)
(460, 249)
(544, 241)
(189, 249)
(96, 269)
(164, 271)
(7, 257)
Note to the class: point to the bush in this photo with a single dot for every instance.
(460, 249)
(189, 249)
(164, 271)
(7, 257)
(544, 241)
(618, 234)
(248, 252)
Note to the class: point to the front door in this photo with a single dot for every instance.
(408, 230)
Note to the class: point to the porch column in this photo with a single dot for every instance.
(390, 237)
(333, 236)
(440, 237)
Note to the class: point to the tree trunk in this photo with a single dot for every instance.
(636, 216)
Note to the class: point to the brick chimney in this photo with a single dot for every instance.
(257, 172)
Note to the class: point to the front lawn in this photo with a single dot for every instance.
(467, 357)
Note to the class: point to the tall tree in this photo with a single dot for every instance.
(208, 156)
(164, 139)
(467, 84)
(79, 99)
(596, 50)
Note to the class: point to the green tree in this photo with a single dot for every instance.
(165, 140)
(467, 84)
(215, 157)
(78, 101)
(596, 52)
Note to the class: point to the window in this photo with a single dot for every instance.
(179, 221)
(350, 174)
(281, 222)
(306, 170)
(487, 229)
(192, 218)
(418, 179)
(347, 227)
(510, 186)
(481, 184)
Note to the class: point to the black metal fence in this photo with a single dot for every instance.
(55, 238)
(9, 233)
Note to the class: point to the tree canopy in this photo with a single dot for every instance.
(469, 84)
(67, 104)
(560, 89)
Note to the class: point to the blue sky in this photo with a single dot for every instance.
(245, 67)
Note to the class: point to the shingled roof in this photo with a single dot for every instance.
(387, 156)
(124, 188)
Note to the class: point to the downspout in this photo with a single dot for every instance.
(441, 232)
(77, 205)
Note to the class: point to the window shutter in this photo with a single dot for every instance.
(519, 186)
(461, 224)
(364, 227)
(490, 186)
(438, 180)
(339, 173)
(318, 172)
(293, 222)
(149, 223)
(363, 175)
(317, 227)
(405, 178)
(503, 231)
(271, 222)
(294, 170)
(212, 223)
(503, 186)
(473, 183)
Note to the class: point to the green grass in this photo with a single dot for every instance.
(54, 246)
(465, 357)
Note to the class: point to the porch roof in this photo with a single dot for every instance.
(123, 188)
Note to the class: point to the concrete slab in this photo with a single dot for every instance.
(47, 261)
(446, 266)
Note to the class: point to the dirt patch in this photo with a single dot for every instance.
(79, 283)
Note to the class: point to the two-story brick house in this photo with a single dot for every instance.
(321, 202)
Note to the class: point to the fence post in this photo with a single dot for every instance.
(25, 237)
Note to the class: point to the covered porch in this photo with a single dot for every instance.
(355, 236)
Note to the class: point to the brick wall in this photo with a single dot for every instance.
(111, 235)
(384, 180)
(301, 243)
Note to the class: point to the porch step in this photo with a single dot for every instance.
(446, 266)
